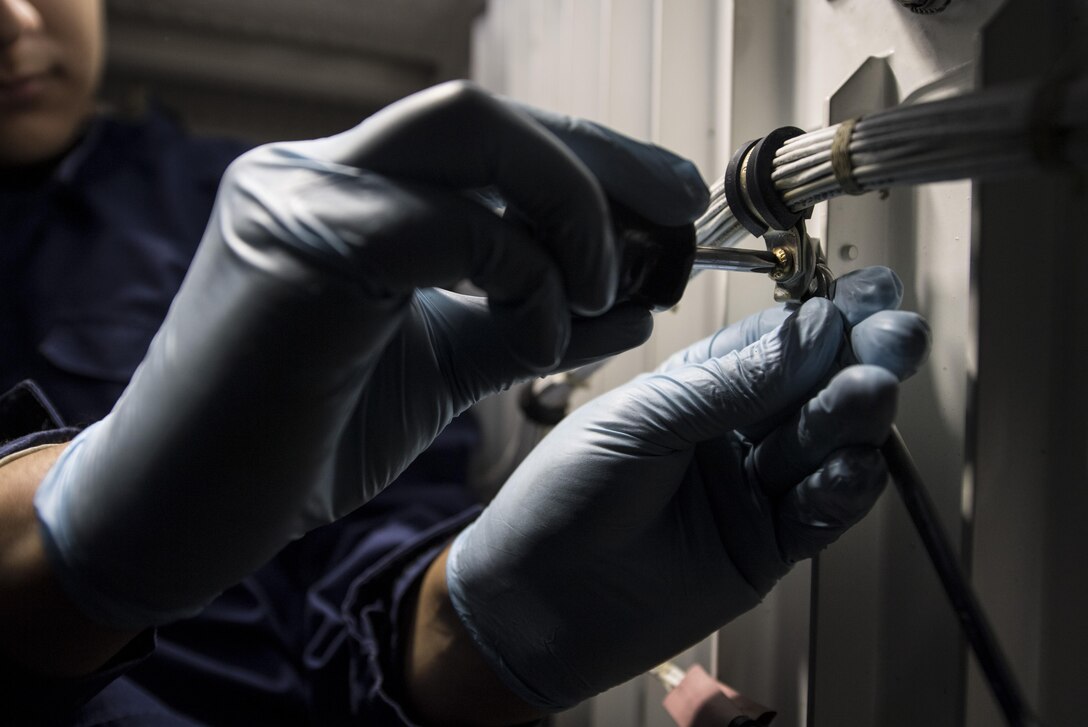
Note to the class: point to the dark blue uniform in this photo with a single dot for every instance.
(93, 250)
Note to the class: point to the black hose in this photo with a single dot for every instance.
(972, 618)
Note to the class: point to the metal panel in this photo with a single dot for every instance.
(1030, 397)
(875, 583)
(644, 67)
(844, 674)
(883, 634)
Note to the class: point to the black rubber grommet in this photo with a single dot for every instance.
(733, 195)
(766, 200)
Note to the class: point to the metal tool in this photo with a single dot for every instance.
(730, 259)
(657, 261)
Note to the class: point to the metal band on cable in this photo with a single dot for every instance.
(840, 157)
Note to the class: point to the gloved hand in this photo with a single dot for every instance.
(308, 357)
(658, 512)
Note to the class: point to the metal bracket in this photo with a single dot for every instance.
(802, 271)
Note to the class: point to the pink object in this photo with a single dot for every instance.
(702, 701)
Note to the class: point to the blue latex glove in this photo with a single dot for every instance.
(656, 513)
(309, 357)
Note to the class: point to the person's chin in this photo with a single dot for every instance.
(31, 135)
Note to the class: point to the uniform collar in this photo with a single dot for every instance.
(62, 169)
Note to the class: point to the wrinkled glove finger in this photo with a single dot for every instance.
(857, 407)
(660, 185)
(464, 331)
(471, 332)
(898, 341)
(394, 237)
(620, 329)
(458, 136)
(512, 265)
(861, 293)
(828, 502)
(810, 360)
(525, 295)
(764, 381)
(731, 338)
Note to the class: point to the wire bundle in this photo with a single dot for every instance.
(987, 134)
(997, 132)
(717, 227)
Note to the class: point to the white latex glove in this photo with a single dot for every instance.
(653, 515)
(309, 357)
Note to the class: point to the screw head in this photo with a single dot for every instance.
(785, 266)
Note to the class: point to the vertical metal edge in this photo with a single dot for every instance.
(1026, 409)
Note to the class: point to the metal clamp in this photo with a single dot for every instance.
(802, 272)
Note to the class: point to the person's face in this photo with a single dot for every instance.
(50, 64)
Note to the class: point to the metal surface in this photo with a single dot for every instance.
(881, 625)
(811, 276)
(1027, 464)
(976, 626)
(736, 260)
(803, 272)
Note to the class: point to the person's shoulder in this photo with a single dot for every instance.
(148, 172)
(156, 141)
(159, 134)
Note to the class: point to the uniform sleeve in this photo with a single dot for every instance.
(39, 701)
(378, 611)
(28, 421)
(315, 635)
